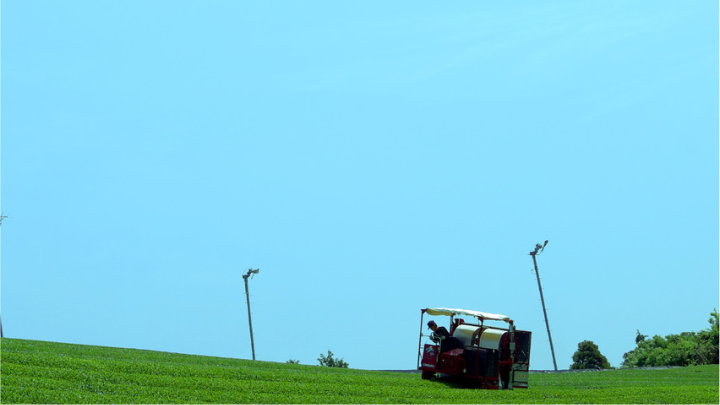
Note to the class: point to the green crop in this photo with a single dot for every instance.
(42, 372)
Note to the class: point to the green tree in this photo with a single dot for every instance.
(706, 349)
(330, 361)
(588, 356)
(291, 361)
(685, 349)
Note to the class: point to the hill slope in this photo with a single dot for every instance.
(43, 372)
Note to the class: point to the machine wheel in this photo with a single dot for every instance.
(426, 375)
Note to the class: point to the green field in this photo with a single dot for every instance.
(42, 372)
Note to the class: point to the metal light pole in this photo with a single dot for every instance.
(538, 249)
(1, 331)
(247, 294)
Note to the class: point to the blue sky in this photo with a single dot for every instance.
(371, 159)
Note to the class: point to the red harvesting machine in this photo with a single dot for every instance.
(492, 357)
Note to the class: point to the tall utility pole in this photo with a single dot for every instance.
(539, 249)
(1, 331)
(247, 294)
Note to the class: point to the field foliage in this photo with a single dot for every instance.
(42, 372)
(684, 349)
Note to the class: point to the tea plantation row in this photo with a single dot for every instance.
(43, 372)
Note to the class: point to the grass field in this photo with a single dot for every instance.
(43, 372)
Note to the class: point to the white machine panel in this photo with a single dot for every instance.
(489, 339)
(465, 333)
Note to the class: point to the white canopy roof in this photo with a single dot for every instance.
(478, 314)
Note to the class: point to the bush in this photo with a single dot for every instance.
(685, 349)
(707, 341)
(588, 356)
(291, 361)
(330, 361)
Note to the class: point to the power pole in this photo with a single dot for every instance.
(1, 331)
(538, 249)
(247, 294)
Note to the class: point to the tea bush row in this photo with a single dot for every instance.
(41, 372)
